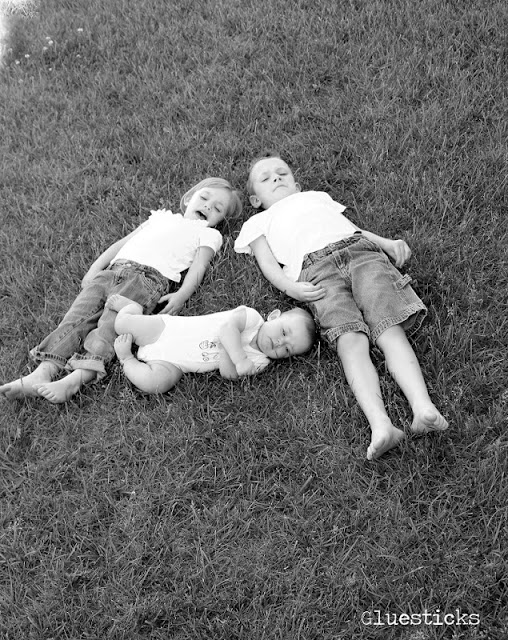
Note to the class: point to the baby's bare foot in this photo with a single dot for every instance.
(427, 420)
(116, 302)
(123, 346)
(384, 437)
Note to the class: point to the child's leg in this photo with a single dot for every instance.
(156, 376)
(405, 369)
(26, 386)
(62, 390)
(353, 350)
(130, 319)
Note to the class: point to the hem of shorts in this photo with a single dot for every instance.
(331, 335)
(89, 363)
(41, 356)
(411, 320)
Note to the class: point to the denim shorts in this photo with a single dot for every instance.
(364, 291)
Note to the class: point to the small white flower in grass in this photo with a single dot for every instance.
(17, 62)
(27, 55)
(80, 30)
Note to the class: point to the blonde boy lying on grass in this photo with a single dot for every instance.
(238, 342)
(345, 277)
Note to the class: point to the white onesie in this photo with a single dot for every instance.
(192, 344)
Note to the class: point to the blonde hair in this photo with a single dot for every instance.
(235, 204)
(268, 154)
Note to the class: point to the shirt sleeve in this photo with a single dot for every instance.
(210, 238)
(252, 229)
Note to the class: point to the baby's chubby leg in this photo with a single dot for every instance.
(123, 346)
(130, 320)
(118, 303)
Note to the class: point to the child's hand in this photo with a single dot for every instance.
(174, 304)
(398, 250)
(246, 367)
(305, 291)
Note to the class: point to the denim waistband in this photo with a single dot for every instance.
(315, 256)
(141, 268)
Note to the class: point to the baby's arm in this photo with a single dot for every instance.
(271, 269)
(398, 250)
(234, 356)
(156, 376)
(191, 282)
(105, 258)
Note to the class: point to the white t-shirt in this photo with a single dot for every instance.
(296, 225)
(192, 343)
(168, 242)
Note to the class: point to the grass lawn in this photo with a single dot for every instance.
(248, 510)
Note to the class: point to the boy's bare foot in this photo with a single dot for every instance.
(123, 346)
(116, 302)
(428, 420)
(63, 390)
(384, 437)
(25, 387)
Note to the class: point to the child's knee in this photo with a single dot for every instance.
(121, 323)
(351, 342)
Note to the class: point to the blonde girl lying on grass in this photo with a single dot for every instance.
(238, 342)
(145, 266)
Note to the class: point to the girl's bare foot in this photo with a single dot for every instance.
(384, 437)
(63, 390)
(428, 420)
(116, 302)
(25, 387)
(123, 346)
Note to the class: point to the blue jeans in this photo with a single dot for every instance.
(84, 338)
(364, 291)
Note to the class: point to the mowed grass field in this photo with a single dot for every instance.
(248, 510)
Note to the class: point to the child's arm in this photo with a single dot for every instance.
(191, 282)
(105, 258)
(398, 250)
(271, 269)
(226, 367)
(230, 337)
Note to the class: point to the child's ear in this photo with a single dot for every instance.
(255, 201)
(276, 313)
(298, 187)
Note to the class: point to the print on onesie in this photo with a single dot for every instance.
(209, 344)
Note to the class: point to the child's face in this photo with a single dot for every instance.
(283, 336)
(272, 180)
(210, 204)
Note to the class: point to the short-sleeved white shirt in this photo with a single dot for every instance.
(168, 242)
(296, 225)
(192, 343)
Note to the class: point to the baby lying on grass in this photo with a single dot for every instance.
(237, 342)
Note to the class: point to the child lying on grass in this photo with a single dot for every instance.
(237, 342)
(343, 274)
(142, 265)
